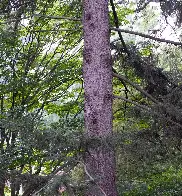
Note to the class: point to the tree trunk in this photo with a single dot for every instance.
(97, 73)
(2, 186)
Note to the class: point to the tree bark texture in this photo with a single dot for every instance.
(97, 73)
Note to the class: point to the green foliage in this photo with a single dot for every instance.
(122, 13)
(41, 101)
(40, 72)
(166, 182)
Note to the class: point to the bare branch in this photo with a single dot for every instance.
(42, 16)
(137, 87)
(91, 178)
(147, 36)
(132, 102)
(54, 30)
(58, 17)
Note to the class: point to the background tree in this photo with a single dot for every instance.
(36, 71)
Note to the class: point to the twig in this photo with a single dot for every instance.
(147, 36)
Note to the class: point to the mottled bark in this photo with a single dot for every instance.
(97, 73)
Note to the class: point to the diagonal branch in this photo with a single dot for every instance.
(137, 87)
(91, 178)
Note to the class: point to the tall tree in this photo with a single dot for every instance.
(97, 73)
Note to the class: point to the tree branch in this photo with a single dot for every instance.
(55, 30)
(57, 17)
(42, 16)
(137, 87)
(116, 21)
(147, 36)
(148, 110)
(91, 178)
(132, 102)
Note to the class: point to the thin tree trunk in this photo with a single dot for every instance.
(97, 73)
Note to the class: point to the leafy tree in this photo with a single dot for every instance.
(37, 70)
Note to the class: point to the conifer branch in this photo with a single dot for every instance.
(149, 110)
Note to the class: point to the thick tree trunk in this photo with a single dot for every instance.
(97, 73)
